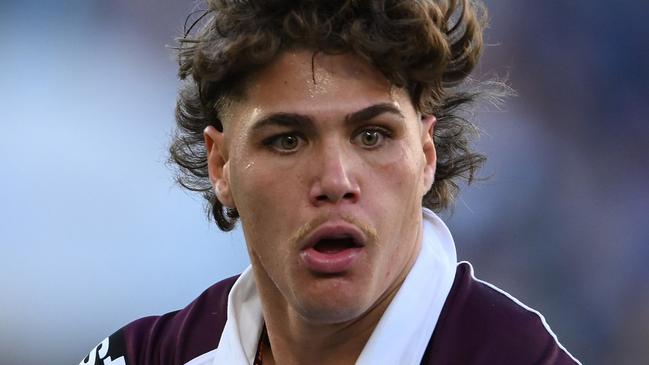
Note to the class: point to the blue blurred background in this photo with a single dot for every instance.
(94, 233)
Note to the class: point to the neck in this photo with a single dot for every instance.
(294, 339)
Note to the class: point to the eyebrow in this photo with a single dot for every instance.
(295, 120)
(290, 120)
(372, 112)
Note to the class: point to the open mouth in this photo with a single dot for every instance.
(333, 248)
(335, 245)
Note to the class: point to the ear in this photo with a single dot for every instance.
(218, 165)
(427, 129)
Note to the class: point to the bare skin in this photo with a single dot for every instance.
(346, 153)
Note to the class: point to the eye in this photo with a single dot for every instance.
(371, 137)
(284, 143)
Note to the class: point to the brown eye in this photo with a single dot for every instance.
(369, 138)
(288, 142)
(284, 143)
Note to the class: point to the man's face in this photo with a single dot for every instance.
(327, 177)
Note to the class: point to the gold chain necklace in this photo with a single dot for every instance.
(259, 357)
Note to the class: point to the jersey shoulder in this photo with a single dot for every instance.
(174, 338)
(482, 324)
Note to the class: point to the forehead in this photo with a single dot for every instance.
(318, 84)
(316, 72)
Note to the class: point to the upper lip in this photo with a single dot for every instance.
(334, 230)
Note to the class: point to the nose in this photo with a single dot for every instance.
(334, 179)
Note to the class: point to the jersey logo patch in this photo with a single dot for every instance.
(110, 351)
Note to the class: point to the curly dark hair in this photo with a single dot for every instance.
(428, 47)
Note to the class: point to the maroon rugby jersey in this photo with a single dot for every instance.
(478, 325)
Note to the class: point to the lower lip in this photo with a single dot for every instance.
(330, 262)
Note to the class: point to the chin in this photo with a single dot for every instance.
(332, 306)
(322, 314)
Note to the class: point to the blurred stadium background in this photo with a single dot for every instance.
(93, 232)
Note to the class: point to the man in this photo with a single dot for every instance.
(323, 126)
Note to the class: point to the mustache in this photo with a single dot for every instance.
(306, 229)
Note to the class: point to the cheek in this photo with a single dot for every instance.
(258, 219)
(263, 194)
(396, 169)
(397, 181)
(251, 186)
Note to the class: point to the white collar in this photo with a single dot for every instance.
(402, 334)
(404, 329)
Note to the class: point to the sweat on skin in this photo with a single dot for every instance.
(348, 152)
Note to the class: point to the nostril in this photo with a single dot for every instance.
(321, 198)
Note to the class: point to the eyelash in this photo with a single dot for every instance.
(385, 133)
(271, 142)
